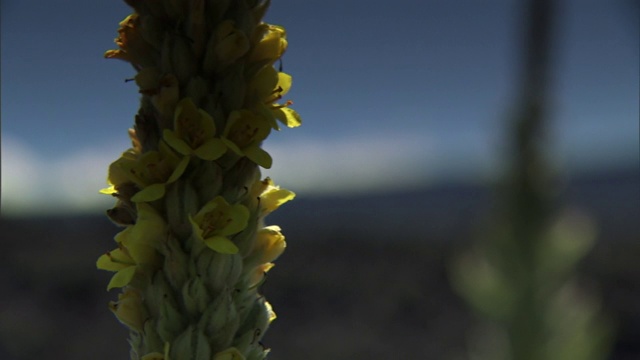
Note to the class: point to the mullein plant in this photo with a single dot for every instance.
(522, 276)
(195, 249)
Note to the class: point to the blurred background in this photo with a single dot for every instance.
(405, 106)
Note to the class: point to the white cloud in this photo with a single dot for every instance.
(33, 184)
(19, 175)
(351, 164)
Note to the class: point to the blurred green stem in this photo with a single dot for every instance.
(529, 200)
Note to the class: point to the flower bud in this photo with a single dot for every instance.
(163, 308)
(220, 321)
(245, 240)
(129, 309)
(132, 46)
(221, 270)
(171, 321)
(176, 263)
(181, 200)
(151, 31)
(151, 339)
(254, 326)
(191, 344)
(195, 296)
(206, 181)
(226, 45)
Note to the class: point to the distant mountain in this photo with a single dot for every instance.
(452, 212)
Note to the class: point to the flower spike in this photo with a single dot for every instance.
(195, 248)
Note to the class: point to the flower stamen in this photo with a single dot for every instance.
(280, 106)
(118, 261)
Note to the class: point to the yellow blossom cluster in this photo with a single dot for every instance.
(189, 193)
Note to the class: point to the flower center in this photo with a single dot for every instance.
(153, 173)
(213, 222)
(190, 131)
(275, 95)
(243, 134)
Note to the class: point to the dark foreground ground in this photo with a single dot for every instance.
(362, 278)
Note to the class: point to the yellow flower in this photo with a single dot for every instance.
(272, 314)
(244, 133)
(151, 172)
(194, 132)
(225, 46)
(122, 263)
(164, 90)
(258, 274)
(136, 247)
(133, 47)
(271, 45)
(216, 221)
(270, 244)
(269, 86)
(271, 196)
(129, 309)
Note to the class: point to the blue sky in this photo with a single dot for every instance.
(392, 94)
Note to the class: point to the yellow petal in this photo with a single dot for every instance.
(231, 145)
(116, 54)
(211, 150)
(207, 123)
(129, 309)
(232, 47)
(109, 191)
(217, 202)
(195, 228)
(179, 170)
(267, 113)
(141, 240)
(271, 243)
(259, 156)
(122, 278)
(119, 170)
(150, 193)
(178, 144)
(239, 215)
(265, 82)
(275, 197)
(221, 244)
(271, 46)
(272, 314)
(110, 262)
(284, 82)
(288, 117)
